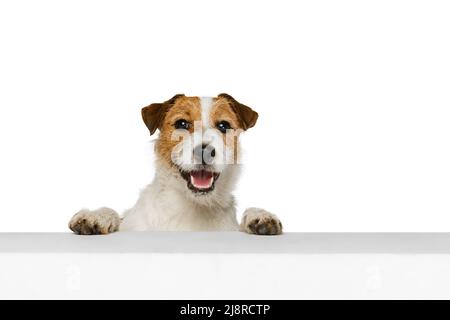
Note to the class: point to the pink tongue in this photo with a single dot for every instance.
(202, 179)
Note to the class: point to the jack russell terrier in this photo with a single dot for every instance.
(197, 166)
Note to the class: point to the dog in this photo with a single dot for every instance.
(197, 166)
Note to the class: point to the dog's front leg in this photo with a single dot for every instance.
(100, 221)
(260, 221)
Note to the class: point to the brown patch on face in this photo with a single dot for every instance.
(186, 108)
(222, 111)
(245, 115)
(239, 116)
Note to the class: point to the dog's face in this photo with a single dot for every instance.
(198, 141)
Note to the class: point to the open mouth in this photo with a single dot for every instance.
(200, 180)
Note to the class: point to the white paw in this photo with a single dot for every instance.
(100, 221)
(260, 221)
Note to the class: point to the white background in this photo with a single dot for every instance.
(353, 98)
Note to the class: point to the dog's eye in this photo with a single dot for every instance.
(182, 124)
(223, 126)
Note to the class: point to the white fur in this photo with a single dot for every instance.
(206, 104)
(167, 205)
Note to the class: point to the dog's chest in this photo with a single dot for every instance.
(169, 211)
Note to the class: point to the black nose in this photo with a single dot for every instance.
(204, 154)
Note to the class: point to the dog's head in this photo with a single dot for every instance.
(198, 143)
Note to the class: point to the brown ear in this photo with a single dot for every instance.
(245, 114)
(153, 115)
